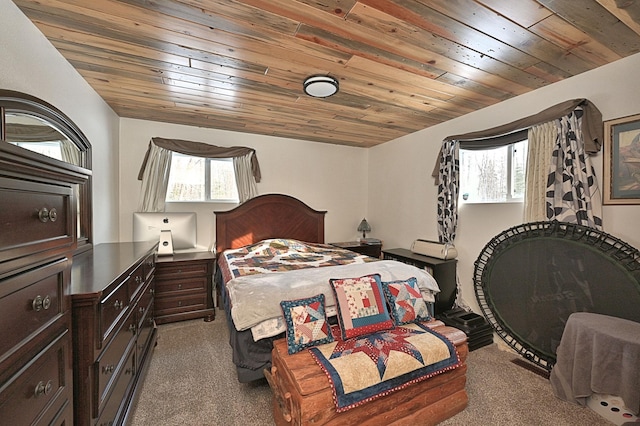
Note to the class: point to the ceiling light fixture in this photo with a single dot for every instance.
(320, 86)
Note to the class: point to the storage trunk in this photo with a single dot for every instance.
(302, 394)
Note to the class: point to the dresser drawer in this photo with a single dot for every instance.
(186, 284)
(41, 384)
(40, 218)
(177, 304)
(144, 305)
(114, 404)
(110, 362)
(172, 270)
(112, 308)
(149, 266)
(147, 325)
(30, 302)
(135, 281)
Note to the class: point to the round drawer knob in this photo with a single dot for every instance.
(45, 215)
(41, 303)
(43, 389)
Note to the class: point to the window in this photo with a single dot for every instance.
(494, 175)
(201, 179)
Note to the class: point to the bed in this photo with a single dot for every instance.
(265, 224)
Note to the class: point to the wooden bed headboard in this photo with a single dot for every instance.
(268, 216)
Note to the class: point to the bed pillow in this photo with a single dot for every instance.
(307, 323)
(361, 305)
(406, 302)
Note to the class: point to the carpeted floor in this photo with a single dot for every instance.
(191, 381)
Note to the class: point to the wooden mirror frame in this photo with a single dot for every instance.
(29, 105)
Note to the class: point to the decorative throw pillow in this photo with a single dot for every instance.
(405, 299)
(307, 323)
(361, 305)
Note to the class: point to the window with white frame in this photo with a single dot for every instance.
(493, 175)
(198, 179)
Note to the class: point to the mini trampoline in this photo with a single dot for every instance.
(530, 278)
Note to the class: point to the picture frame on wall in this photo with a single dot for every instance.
(621, 160)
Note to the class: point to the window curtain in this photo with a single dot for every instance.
(245, 181)
(542, 140)
(590, 128)
(448, 189)
(155, 167)
(572, 192)
(155, 179)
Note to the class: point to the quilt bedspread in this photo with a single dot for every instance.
(281, 255)
(259, 276)
(365, 368)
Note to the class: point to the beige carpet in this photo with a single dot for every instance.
(191, 381)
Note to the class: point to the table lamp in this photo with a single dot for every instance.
(364, 227)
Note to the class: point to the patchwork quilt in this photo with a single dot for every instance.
(364, 368)
(281, 255)
(259, 276)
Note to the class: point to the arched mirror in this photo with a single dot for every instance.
(37, 126)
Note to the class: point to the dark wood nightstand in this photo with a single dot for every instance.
(184, 287)
(369, 249)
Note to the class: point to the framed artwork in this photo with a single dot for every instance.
(622, 160)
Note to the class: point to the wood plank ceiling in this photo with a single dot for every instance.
(403, 65)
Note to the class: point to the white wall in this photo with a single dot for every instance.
(402, 196)
(30, 64)
(326, 177)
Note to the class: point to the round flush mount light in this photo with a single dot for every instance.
(320, 86)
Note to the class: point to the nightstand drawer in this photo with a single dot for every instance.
(189, 284)
(180, 269)
(176, 304)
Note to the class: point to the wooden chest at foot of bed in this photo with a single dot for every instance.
(302, 394)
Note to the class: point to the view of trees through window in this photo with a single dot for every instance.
(201, 179)
(494, 175)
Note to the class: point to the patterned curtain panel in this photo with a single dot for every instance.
(448, 189)
(572, 189)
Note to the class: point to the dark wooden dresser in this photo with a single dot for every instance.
(37, 241)
(114, 331)
(184, 285)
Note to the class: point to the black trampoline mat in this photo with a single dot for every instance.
(531, 284)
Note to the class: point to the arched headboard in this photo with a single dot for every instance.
(268, 216)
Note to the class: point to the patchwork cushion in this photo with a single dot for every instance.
(405, 299)
(361, 305)
(306, 321)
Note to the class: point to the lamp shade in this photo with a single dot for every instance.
(364, 227)
(320, 86)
